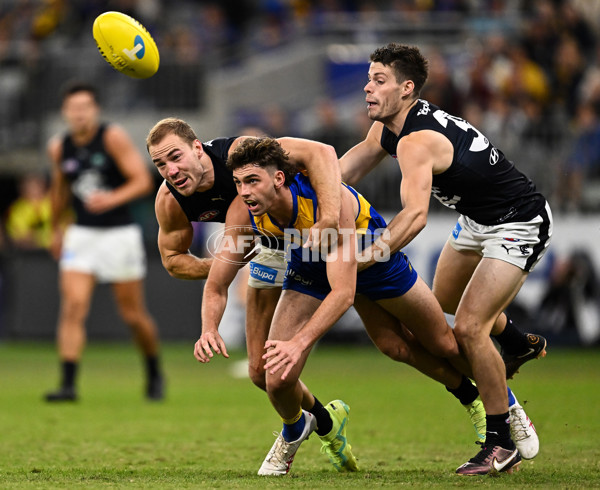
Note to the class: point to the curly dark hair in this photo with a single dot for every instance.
(262, 152)
(407, 62)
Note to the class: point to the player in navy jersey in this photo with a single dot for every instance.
(318, 288)
(503, 230)
(198, 187)
(98, 170)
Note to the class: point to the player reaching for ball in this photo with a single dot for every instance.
(198, 187)
(97, 168)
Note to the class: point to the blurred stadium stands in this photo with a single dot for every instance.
(525, 72)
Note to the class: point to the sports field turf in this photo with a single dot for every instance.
(214, 429)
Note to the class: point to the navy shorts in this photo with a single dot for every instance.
(382, 280)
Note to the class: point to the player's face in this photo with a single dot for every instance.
(384, 99)
(81, 112)
(179, 163)
(257, 187)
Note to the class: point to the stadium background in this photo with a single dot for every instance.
(527, 73)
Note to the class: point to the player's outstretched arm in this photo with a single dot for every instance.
(341, 273)
(237, 242)
(175, 235)
(359, 160)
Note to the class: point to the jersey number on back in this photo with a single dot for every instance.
(479, 143)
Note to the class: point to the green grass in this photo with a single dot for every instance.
(214, 429)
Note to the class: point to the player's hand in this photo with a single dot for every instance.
(100, 202)
(323, 233)
(209, 344)
(281, 355)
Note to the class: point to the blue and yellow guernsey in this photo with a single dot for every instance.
(369, 222)
(306, 272)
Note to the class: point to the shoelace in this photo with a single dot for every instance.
(520, 433)
(483, 454)
(279, 451)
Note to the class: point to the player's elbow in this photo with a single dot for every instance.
(419, 220)
(345, 297)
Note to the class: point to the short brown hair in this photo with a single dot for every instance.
(407, 62)
(262, 152)
(170, 125)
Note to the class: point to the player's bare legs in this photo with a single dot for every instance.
(398, 343)
(422, 314)
(76, 289)
(131, 304)
(289, 398)
(260, 308)
(292, 312)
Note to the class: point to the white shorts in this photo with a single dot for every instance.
(113, 254)
(522, 244)
(267, 269)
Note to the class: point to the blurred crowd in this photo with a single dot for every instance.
(527, 73)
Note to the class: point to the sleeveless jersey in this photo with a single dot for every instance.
(369, 223)
(480, 183)
(211, 205)
(307, 274)
(88, 169)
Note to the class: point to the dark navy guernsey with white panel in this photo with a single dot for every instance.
(480, 183)
(88, 169)
(211, 205)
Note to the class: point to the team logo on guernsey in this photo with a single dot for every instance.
(425, 109)
(494, 156)
(208, 215)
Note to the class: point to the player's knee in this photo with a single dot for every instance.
(465, 333)
(257, 376)
(397, 351)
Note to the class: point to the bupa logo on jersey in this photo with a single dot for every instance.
(138, 51)
(239, 244)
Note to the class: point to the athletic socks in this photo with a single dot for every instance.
(324, 422)
(69, 373)
(512, 340)
(152, 367)
(498, 431)
(512, 399)
(292, 428)
(466, 392)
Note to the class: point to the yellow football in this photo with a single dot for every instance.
(126, 44)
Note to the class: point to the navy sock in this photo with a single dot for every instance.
(69, 373)
(498, 431)
(512, 340)
(466, 392)
(293, 431)
(324, 422)
(152, 367)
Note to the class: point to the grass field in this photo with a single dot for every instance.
(214, 429)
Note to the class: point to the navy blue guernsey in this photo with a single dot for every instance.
(480, 183)
(89, 169)
(212, 204)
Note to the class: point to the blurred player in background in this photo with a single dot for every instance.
(199, 187)
(502, 233)
(98, 170)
